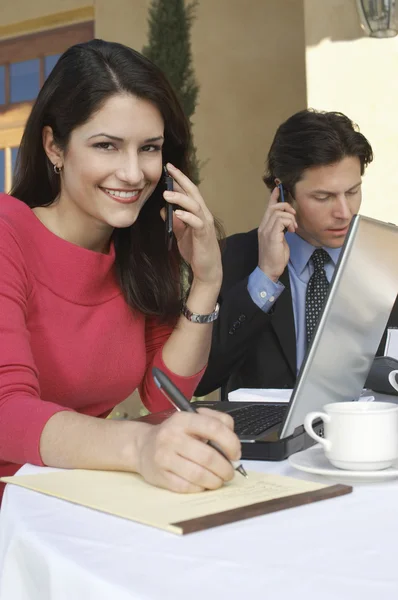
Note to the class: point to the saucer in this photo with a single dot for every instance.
(313, 460)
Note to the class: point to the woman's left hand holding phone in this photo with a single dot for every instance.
(193, 227)
(186, 351)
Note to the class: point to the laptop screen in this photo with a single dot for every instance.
(359, 302)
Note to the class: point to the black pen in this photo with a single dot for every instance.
(178, 400)
(168, 180)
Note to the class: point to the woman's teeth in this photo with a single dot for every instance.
(120, 194)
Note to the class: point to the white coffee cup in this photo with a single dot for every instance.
(392, 379)
(359, 436)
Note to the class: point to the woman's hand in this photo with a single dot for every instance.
(174, 455)
(193, 226)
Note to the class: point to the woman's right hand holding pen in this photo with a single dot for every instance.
(273, 250)
(175, 455)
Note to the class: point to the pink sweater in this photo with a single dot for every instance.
(68, 340)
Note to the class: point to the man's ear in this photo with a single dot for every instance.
(54, 153)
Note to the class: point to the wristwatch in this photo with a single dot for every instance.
(196, 318)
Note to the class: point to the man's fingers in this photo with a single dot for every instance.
(275, 206)
(282, 207)
(278, 221)
(274, 198)
(273, 201)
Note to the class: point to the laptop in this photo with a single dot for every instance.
(356, 311)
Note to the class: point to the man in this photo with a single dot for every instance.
(276, 277)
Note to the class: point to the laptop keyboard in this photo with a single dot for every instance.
(254, 419)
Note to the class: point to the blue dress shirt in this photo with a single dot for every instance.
(264, 292)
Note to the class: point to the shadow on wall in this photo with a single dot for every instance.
(336, 20)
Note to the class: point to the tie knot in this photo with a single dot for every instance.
(319, 258)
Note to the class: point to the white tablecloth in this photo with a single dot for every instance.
(340, 549)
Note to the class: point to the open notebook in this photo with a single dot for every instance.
(128, 496)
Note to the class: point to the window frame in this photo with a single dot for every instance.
(38, 46)
(13, 115)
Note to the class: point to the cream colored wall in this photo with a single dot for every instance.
(14, 12)
(21, 11)
(123, 21)
(250, 63)
(357, 75)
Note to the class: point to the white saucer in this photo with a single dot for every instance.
(313, 460)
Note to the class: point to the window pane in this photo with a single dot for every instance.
(25, 80)
(2, 86)
(14, 152)
(2, 170)
(49, 64)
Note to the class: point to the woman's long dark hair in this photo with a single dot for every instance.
(85, 76)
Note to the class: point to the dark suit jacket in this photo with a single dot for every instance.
(251, 348)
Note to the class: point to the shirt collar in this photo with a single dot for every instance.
(301, 252)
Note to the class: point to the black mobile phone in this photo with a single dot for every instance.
(168, 182)
(281, 193)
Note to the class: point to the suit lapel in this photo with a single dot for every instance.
(283, 323)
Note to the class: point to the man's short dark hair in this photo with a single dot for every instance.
(312, 138)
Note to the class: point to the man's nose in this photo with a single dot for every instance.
(342, 208)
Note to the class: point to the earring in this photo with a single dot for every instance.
(57, 170)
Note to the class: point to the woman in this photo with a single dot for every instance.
(89, 294)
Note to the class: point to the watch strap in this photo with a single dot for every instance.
(197, 318)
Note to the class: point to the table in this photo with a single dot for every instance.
(344, 548)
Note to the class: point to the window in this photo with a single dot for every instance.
(49, 64)
(24, 80)
(25, 63)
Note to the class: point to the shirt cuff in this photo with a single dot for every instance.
(263, 291)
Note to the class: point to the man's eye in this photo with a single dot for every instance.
(151, 148)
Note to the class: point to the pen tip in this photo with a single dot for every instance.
(242, 471)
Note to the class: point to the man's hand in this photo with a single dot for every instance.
(273, 250)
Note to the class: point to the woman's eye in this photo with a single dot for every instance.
(104, 145)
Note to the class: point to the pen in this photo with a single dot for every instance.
(178, 400)
(168, 180)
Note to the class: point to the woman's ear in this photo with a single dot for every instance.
(54, 153)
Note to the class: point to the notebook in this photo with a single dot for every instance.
(127, 495)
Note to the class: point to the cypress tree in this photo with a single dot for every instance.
(169, 47)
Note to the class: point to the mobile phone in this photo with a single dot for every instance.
(169, 185)
(281, 193)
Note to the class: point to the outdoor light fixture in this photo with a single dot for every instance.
(378, 17)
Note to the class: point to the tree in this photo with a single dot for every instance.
(169, 47)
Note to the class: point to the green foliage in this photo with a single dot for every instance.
(169, 47)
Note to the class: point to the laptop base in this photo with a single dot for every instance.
(270, 447)
(280, 449)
